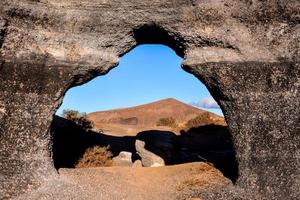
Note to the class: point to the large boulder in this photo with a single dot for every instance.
(149, 159)
(162, 143)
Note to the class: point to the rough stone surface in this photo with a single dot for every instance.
(162, 143)
(123, 159)
(137, 163)
(245, 51)
(149, 159)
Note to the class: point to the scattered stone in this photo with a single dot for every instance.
(123, 159)
(137, 163)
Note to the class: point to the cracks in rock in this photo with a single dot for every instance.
(28, 16)
(214, 42)
(3, 26)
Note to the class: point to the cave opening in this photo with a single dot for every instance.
(144, 106)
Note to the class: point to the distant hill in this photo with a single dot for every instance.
(130, 121)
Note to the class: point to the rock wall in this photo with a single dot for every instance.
(245, 51)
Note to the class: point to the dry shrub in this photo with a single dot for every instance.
(195, 182)
(200, 120)
(79, 118)
(203, 176)
(95, 157)
(167, 121)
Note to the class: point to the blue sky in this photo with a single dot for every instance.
(145, 74)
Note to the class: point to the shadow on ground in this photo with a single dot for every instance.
(210, 143)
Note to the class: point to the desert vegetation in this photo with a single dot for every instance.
(202, 134)
(79, 118)
(96, 156)
(204, 119)
(167, 121)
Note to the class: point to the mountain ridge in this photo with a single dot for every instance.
(146, 116)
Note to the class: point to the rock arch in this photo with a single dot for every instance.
(246, 53)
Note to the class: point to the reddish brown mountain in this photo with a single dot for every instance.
(130, 121)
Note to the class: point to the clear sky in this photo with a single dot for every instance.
(145, 74)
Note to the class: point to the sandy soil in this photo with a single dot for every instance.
(128, 183)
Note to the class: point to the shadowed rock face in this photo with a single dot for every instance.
(246, 52)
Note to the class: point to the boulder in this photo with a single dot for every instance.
(149, 159)
(123, 159)
(162, 143)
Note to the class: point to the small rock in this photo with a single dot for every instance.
(137, 163)
(123, 159)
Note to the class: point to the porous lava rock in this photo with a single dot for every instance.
(245, 51)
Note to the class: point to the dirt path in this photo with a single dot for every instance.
(127, 183)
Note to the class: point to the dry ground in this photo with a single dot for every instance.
(127, 183)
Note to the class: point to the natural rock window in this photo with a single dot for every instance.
(245, 52)
(162, 132)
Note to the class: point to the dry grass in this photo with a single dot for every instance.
(204, 119)
(147, 115)
(202, 176)
(167, 121)
(96, 157)
(196, 182)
